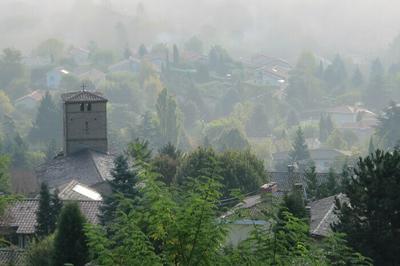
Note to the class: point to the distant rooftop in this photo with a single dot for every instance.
(77, 191)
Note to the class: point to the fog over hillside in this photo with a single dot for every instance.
(283, 28)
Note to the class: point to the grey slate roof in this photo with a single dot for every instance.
(285, 180)
(10, 256)
(322, 215)
(87, 166)
(21, 214)
(82, 96)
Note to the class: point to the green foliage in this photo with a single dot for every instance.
(4, 174)
(258, 124)
(169, 117)
(123, 185)
(357, 79)
(175, 55)
(375, 94)
(166, 163)
(325, 127)
(371, 217)
(142, 51)
(47, 125)
(163, 228)
(232, 139)
(337, 252)
(40, 252)
(194, 45)
(51, 48)
(299, 152)
(70, 241)
(241, 170)
(11, 67)
(294, 202)
(388, 128)
(335, 74)
(49, 208)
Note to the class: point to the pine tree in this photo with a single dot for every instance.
(44, 225)
(70, 240)
(142, 50)
(49, 208)
(357, 80)
(312, 183)
(48, 121)
(299, 152)
(371, 217)
(123, 184)
(371, 146)
(175, 55)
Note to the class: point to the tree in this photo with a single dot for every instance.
(194, 45)
(374, 96)
(299, 152)
(51, 48)
(241, 170)
(169, 117)
(232, 139)
(175, 55)
(11, 67)
(6, 107)
(148, 129)
(47, 125)
(336, 74)
(371, 146)
(294, 203)
(357, 80)
(388, 128)
(40, 252)
(142, 50)
(4, 174)
(258, 126)
(166, 163)
(312, 183)
(51, 150)
(70, 241)
(371, 217)
(48, 211)
(123, 184)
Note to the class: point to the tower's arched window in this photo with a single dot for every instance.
(89, 107)
(82, 107)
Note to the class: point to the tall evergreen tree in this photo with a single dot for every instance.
(169, 117)
(123, 184)
(48, 121)
(388, 128)
(258, 126)
(312, 183)
(299, 152)
(357, 80)
(70, 242)
(176, 57)
(48, 211)
(335, 73)
(371, 146)
(375, 94)
(371, 218)
(142, 50)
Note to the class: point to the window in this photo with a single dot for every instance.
(87, 127)
(89, 107)
(82, 107)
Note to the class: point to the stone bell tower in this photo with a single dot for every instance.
(85, 122)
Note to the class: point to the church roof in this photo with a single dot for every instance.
(82, 96)
(74, 190)
(87, 167)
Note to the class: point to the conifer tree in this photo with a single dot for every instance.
(371, 146)
(49, 208)
(123, 184)
(312, 183)
(70, 243)
(299, 152)
(175, 55)
(357, 80)
(142, 50)
(48, 121)
(45, 224)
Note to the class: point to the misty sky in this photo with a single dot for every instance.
(281, 28)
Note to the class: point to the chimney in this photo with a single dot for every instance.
(271, 187)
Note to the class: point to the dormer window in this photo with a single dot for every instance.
(89, 107)
(82, 107)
